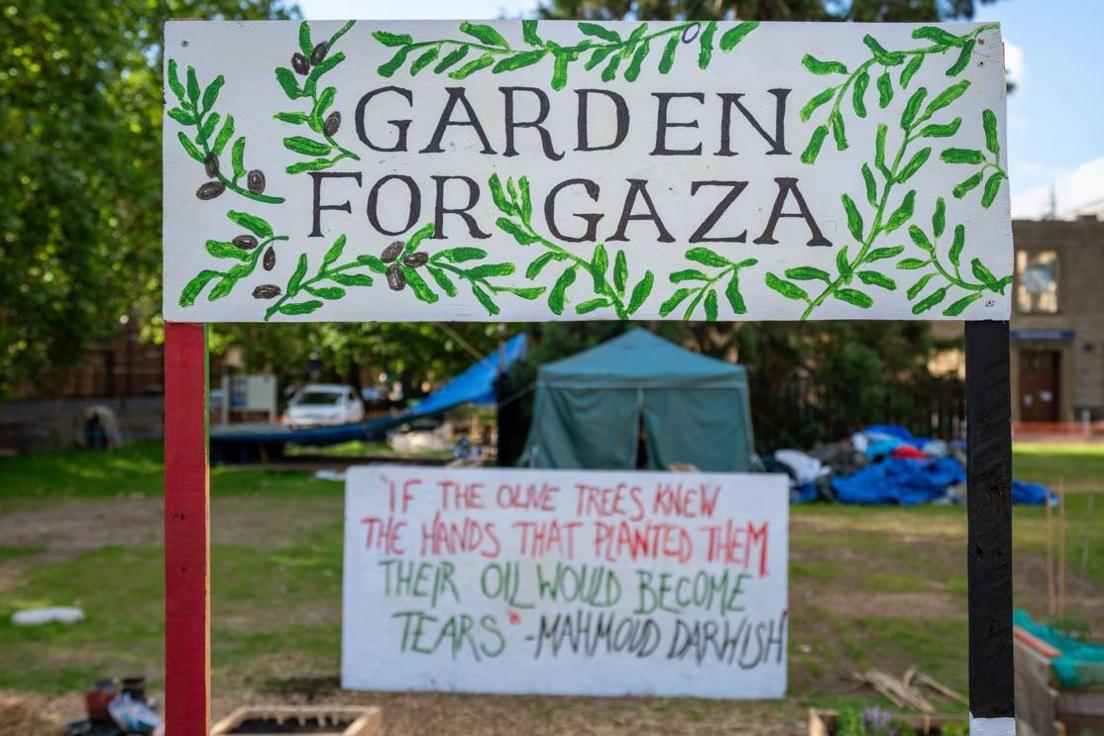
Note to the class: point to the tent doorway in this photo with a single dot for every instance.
(640, 402)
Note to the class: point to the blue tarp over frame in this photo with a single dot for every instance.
(589, 408)
(475, 385)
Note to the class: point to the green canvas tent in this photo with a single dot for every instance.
(589, 409)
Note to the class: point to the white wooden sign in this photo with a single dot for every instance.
(525, 170)
(565, 582)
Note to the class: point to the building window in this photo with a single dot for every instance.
(1037, 283)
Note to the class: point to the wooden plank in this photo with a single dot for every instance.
(939, 687)
(989, 534)
(1034, 642)
(1037, 701)
(361, 720)
(187, 533)
(1082, 703)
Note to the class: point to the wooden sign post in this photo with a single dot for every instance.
(989, 530)
(187, 532)
(536, 171)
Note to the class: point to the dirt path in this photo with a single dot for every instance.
(417, 714)
(59, 530)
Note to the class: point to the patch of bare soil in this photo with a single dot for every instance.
(922, 605)
(899, 526)
(416, 714)
(68, 528)
(1084, 597)
(65, 529)
(36, 715)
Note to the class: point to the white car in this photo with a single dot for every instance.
(324, 405)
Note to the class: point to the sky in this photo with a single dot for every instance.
(1053, 51)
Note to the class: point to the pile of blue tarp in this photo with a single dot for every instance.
(885, 464)
(902, 481)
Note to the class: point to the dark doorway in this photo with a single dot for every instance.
(1039, 385)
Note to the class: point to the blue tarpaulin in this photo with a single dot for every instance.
(1032, 494)
(475, 385)
(906, 480)
(903, 481)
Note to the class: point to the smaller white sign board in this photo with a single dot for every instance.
(565, 582)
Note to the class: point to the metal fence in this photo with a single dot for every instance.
(804, 412)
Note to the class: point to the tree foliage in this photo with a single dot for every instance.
(411, 353)
(80, 172)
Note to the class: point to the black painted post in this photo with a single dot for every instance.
(989, 536)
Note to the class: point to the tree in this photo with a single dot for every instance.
(411, 353)
(80, 172)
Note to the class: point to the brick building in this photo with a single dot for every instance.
(1057, 330)
(125, 375)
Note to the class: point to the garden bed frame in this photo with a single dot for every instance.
(360, 721)
(824, 722)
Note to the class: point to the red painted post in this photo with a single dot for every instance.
(187, 533)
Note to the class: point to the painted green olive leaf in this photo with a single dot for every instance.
(919, 119)
(481, 47)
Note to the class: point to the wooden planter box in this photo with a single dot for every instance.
(1043, 708)
(823, 722)
(318, 720)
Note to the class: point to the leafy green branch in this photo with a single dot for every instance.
(704, 288)
(486, 47)
(245, 250)
(312, 61)
(401, 264)
(303, 294)
(858, 81)
(884, 221)
(950, 273)
(445, 265)
(975, 157)
(195, 110)
(610, 289)
(853, 270)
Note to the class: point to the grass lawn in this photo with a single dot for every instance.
(134, 471)
(869, 587)
(1079, 464)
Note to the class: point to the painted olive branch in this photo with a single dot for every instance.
(847, 269)
(603, 44)
(248, 249)
(915, 124)
(195, 111)
(610, 289)
(399, 274)
(858, 81)
(401, 264)
(986, 281)
(443, 263)
(974, 156)
(313, 61)
(315, 289)
(705, 293)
